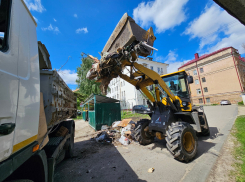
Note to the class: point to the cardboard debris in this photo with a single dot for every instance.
(124, 122)
(127, 132)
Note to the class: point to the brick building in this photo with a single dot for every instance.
(217, 76)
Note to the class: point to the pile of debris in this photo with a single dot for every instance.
(120, 132)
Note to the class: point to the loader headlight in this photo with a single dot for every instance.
(184, 104)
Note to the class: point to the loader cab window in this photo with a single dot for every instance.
(177, 84)
(4, 23)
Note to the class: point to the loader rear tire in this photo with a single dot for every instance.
(144, 138)
(181, 141)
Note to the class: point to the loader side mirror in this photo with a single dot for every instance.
(190, 79)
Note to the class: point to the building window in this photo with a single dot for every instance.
(195, 72)
(200, 101)
(196, 81)
(201, 70)
(208, 100)
(124, 95)
(205, 89)
(117, 96)
(4, 19)
(143, 101)
(158, 70)
(161, 71)
(144, 64)
(203, 79)
(199, 91)
(151, 67)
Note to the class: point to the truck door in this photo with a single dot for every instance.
(8, 79)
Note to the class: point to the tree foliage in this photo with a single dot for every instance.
(86, 86)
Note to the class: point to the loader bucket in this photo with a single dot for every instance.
(126, 32)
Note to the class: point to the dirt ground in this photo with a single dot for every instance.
(106, 162)
(94, 161)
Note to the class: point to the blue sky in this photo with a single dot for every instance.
(182, 28)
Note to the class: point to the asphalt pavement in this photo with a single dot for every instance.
(131, 163)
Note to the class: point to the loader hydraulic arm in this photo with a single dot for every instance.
(149, 77)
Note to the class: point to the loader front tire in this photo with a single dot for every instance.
(181, 141)
(142, 136)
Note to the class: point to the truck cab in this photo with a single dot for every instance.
(35, 102)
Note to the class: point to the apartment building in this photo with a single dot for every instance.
(217, 76)
(127, 93)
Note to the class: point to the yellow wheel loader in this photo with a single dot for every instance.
(173, 117)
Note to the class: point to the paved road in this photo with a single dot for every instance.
(110, 163)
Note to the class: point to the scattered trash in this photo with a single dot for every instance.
(115, 124)
(103, 137)
(151, 170)
(123, 140)
(104, 127)
(120, 131)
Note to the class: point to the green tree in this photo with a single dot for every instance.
(86, 86)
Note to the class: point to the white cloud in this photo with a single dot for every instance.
(75, 15)
(211, 24)
(80, 30)
(171, 60)
(35, 19)
(55, 20)
(164, 14)
(51, 28)
(69, 76)
(35, 5)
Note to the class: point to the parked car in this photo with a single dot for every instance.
(225, 102)
(141, 109)
(79, 112)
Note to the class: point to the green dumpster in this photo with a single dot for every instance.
(100, 110)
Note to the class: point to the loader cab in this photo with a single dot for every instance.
(178, 82)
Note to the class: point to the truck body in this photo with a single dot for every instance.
(35, 101)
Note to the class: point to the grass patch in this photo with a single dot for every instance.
(129, 114)
(240, 103)
(239, 133)
(80, 117)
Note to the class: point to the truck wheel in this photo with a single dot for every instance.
(182, 141)
(141, 135)
(69, 151)
(204, 125)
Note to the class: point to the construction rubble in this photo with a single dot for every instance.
(120, 132)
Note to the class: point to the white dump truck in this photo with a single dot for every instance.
(36, 105)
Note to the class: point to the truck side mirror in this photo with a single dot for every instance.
(190, 79)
